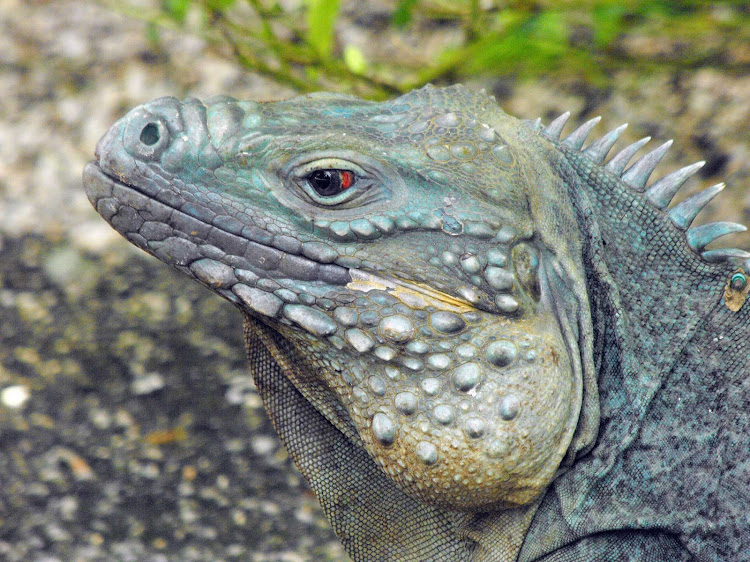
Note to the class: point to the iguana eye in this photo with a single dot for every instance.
(331, 182)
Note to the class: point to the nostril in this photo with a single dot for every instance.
(145, 134)
(150, 134)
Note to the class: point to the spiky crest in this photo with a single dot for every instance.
(661, 192)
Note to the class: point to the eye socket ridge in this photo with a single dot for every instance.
(340, 182)
(330, 182)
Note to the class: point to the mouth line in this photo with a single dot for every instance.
(220, 259)
(180, 239)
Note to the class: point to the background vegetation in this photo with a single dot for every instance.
(299, 43)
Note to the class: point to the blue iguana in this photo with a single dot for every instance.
(478, 340)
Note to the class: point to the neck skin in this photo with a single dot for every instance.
(641, 279)
(498, 535)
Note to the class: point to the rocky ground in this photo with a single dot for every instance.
(129, 425)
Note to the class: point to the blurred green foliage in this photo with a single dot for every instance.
(303, 43)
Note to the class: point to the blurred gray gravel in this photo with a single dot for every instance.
(129, 425)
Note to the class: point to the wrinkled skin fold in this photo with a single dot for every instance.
(478, 342)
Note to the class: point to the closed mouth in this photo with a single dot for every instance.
(179, 238)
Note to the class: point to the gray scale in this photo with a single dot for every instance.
(439, 361)
(359, 340)
(447, 322)
(431, 386)
(498, 278)
(502, 154)
(449, 258)
(397, 328)
(426, 452)
(312, 320)
(463, 150)
(258, 301)
(326, 304)
(501, 353)
(466, 351)
(360, 395)
(470, 264)
(319, 252)
(509, 407)
(467, 376)
(287, 295)
(469, 293)
(506, 303)
(475, 427)
(439, 153)
(478, 230)
(384, 353)
(345, 316)
(406, 403)
(412, 363)
(443, 414)
(213, 273)
(418, 347)
(383, 429)
(392, 372)
(307, 299)
(337, 341)
(377, 385)
(506, 234)
(246, 276)
(369, 318)
(497, 448)
(447, 120)
(485, 132)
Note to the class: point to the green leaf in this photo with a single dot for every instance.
(355, 60)
(321, 21)
(404, 13)
(176, 9)
(219, 5)
(152, 33)
(608, 23)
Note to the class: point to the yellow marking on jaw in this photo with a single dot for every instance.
(413, 295)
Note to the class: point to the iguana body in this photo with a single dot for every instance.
(478, 342)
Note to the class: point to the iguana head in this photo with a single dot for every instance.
(415, 252)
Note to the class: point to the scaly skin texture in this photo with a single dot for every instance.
(477, 341)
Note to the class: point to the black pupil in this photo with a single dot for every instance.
(326, 182)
